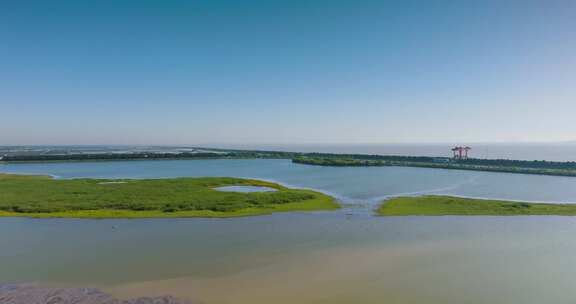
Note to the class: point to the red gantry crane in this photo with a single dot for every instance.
(460, 152)
(455, 151)
(466, 149)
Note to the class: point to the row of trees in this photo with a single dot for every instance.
(490, 166)
(536, 164)
(388, 159)
(338, 162)
(143, 155)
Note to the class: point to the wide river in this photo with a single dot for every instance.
(346, 256)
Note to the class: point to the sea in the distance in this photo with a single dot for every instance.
(345, 256)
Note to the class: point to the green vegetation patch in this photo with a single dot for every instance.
(42, 196)
(448, 205)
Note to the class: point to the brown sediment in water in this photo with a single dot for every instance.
(32, 294)
(451, 271)
(438, 272)
(350, 275)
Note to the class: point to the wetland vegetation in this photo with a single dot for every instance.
(43, 196)
(449, 205)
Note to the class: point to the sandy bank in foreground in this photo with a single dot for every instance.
(30, 294)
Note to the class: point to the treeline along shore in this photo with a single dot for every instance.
(490, 165)
(324, 159)
(232, 154)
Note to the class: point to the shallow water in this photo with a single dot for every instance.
(346, 256)
(245, 189)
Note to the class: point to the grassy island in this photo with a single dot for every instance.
(43, 196)
(448, 205)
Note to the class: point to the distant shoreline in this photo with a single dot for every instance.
(338, 162)
(552, 168)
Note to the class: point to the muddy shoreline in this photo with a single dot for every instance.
(32, 294)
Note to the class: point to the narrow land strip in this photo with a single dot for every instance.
(448, 205)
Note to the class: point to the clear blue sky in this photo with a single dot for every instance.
(214, 71)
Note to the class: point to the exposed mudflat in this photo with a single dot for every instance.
(31, 294)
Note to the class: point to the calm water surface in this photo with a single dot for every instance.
(247, 189)
(347, 256)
